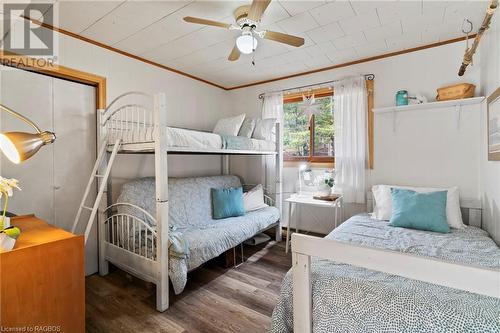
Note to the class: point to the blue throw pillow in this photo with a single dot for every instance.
(422, 211)
(227, 202)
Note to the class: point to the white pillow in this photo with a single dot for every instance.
(263, 128)
(383, 203)
(254, 199)
(229, 126)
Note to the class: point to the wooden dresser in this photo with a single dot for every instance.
(42, 280)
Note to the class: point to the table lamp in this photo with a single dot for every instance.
(19, 146)
(302, 170)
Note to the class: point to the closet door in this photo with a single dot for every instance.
(74, 156)
(31, 95)
(54, 179)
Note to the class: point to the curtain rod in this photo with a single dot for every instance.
(368, 77)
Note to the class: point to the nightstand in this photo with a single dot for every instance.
(43, 280)
(297, 199)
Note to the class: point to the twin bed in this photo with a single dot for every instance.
(348, 298)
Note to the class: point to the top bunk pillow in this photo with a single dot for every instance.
(263, 129)
(247, 127)
(383, 203)
(229, 126)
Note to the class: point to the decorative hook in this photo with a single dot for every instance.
(471, 25)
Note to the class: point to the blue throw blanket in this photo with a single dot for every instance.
(236, 142)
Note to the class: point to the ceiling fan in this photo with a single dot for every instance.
(247, 20)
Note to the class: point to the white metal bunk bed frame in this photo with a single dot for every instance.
(125, 129)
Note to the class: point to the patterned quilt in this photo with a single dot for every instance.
(194, 237)
(351, 299)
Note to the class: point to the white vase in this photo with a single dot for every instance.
(322, 190)
(6, 242)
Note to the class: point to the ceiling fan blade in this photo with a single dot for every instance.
(206, 22)
(257, 9)
(235, 54)
(284, 38)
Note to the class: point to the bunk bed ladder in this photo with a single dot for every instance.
(102, 187)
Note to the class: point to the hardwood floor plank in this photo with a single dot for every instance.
(242, 293)
(215, 299)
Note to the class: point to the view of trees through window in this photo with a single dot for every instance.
(306, 137)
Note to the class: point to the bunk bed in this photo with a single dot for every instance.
(130, 236)
(129, 119)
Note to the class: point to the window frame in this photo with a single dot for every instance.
(325, 92)
(297, 97)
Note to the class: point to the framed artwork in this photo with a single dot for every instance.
(493, 113)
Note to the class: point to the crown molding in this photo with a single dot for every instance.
(355, 62)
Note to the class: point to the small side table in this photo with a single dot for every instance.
(310, 201)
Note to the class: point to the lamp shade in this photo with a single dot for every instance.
(19, 146)
(246, 43)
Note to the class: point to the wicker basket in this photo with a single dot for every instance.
(456, 91)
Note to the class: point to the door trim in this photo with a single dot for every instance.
(57, 71)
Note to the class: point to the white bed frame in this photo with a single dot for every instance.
(474, 279)
(139, 123)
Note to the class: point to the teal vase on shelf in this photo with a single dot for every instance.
(402, 98)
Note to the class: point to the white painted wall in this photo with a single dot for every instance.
(490, 171)
(435, 147)
(395, 160)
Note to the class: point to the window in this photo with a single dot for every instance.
(309, 136)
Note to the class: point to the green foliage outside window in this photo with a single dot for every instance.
(296, 136)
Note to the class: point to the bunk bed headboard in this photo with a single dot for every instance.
(130, 118)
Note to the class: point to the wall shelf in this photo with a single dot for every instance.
(431, 105)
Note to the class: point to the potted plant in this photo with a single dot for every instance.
(8, 234)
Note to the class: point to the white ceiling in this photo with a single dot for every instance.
(335, 32)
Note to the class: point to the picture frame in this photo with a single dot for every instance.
(493, 119)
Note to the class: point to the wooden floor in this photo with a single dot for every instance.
(215, 299)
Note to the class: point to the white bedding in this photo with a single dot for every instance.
(186, 140)
(180, 137)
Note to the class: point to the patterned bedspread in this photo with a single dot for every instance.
(211, 240)
(352, 299)
(194, 237)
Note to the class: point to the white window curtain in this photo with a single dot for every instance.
(272, 107)
(350, 104)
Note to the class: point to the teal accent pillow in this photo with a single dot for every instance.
(227, 202)
(421, 211)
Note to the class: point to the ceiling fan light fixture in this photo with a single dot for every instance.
(246, 43)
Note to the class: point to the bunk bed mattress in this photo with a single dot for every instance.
(181, 137)
(192, 140)
(352, 299)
